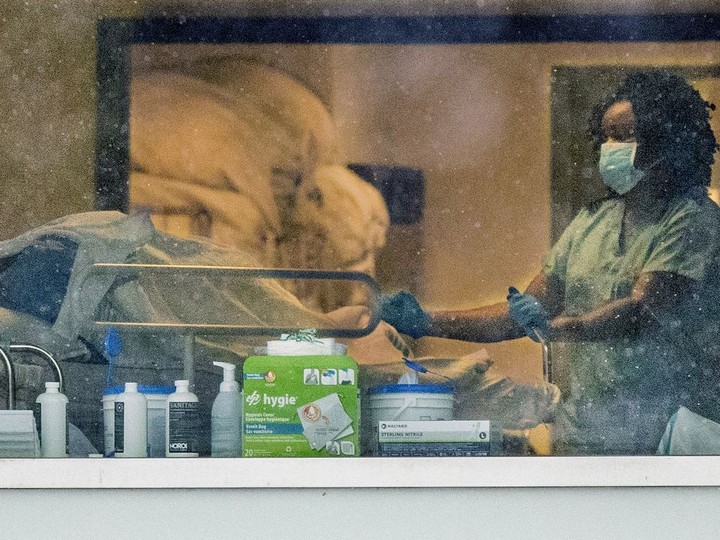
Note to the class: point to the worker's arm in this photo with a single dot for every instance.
(492, 323)
(653, 292)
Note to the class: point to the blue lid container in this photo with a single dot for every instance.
(411, 388)
(142, 388)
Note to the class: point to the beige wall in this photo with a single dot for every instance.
(474, 118)
(47, 107)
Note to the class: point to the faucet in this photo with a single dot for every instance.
(26, 347)
(11, 379)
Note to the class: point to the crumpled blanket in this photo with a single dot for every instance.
(101, 237)
(274, 100)
(113, 237)
(236, 220)
(254, 152)
(353, 215)
(187, 129)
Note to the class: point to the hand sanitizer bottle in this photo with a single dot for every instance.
(130, 423)
(181, 427)
(51, 418)
(226, 416)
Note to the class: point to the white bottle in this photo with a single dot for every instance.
(181, 426)
(51, 417)
(226, 417)
(130, 423)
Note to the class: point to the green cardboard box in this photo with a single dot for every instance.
(301, 406)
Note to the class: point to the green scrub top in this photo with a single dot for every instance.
(618, 395)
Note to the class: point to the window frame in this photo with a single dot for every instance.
(115, 36)
(114, 39)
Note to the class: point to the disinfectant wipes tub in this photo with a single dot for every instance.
(408, 402)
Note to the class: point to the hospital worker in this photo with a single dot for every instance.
(629, 296)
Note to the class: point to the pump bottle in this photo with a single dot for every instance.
(226, 416)
(51, 417)
(130, 423)
(181, 426)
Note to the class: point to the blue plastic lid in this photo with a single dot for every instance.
(142, 388)
(411, 388)
(113, 343)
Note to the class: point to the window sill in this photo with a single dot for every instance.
(360, 472)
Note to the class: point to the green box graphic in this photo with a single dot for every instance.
(301, 406)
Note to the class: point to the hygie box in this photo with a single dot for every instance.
(301, 406)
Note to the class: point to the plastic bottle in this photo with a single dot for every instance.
(181, 426)
(226, 416)
(51, 418)
(130, 423)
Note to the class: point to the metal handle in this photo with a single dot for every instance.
(546, 362)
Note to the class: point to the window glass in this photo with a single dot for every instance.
(505, 222)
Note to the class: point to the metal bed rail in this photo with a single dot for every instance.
(191, 330)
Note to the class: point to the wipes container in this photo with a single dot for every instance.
(156, 403)
(408, 402)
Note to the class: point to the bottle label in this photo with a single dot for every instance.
(182, 427)
(38, 420)
(119, 427)
(67, 433)
(38, 415)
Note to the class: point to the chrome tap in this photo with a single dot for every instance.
(26, 347)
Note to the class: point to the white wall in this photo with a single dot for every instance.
(412, 514)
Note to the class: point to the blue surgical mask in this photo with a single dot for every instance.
(616, 166)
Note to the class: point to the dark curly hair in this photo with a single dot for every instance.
(672, 122)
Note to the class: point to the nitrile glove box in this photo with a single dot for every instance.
(439, 438)
(301, 406)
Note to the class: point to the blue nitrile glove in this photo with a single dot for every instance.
(403, 311)
(529, 314)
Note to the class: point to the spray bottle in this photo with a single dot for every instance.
(181, 426)
(226, 417)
